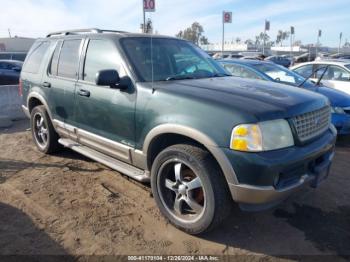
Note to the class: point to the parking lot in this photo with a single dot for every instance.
(68, 204)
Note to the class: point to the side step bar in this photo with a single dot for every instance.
(129, 170)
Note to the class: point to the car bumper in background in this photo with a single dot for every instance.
(341, 123)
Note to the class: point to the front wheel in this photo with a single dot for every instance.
(190, 189)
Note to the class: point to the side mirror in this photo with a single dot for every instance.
(109, 77)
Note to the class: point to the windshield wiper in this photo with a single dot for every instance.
(179, 77)
(220, 75)
(316, 70)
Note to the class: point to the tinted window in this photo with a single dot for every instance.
(35, 57)
(162, 59)
(69, 59)
(305, 71)
(347, 66)
(100, 55)
(54, 61)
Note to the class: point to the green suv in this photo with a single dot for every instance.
(160, 110)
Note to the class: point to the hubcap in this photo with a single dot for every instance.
(181, 191)
(40, 130)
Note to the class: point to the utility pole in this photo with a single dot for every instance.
(147, 6)
(340, 38)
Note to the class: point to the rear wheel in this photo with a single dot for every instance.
(189, 188)
(44, 134)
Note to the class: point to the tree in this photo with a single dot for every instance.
(238, 40)
(149, 27)
(249, 42)
(192, 33)
(281, 36)
(347, 43)
(203, 40)
(298, 43)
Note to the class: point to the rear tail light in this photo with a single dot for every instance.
(20, 88)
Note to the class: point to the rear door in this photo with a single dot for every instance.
(104, 115)
(61, 79)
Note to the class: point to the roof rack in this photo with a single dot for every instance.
(83, 31)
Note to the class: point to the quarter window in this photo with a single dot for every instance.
(69, 59)
(35, 58)
(100, 55)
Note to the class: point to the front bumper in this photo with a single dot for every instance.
(341, 123)
(267, 178)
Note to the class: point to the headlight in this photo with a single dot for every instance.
(337, 110)
(263, 136)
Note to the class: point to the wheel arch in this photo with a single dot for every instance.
(166, 135)
(34, 99)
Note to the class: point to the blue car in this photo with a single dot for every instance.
(262, 70)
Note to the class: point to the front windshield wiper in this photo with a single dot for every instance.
(179, 77)
(316, 70)
(220, 75)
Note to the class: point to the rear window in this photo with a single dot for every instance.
(69, 59)
(35, 57)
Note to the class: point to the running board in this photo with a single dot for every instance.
(122, 167)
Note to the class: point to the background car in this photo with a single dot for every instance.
(280, 60)
(10, 71)
(337, 74)
(268, 71)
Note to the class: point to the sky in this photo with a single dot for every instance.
(36, 18)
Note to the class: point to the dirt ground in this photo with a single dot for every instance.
(68, 204)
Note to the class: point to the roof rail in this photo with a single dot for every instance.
(82, 31)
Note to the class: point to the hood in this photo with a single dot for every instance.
(265, 100)
(337, 98)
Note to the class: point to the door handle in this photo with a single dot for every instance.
(83, 92)
(47, 84)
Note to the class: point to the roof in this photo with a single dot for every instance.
(106, 33)
(338, 62)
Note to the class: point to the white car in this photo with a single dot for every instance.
(337, 75)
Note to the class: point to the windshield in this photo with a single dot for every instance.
(280, 74)
(347, 66)
(162, 59)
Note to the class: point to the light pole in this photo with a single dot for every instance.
(340, 38)
(267, 28)
(226, 19)
(291, 43)
(318, 40)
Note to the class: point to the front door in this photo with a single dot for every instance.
(105, 116)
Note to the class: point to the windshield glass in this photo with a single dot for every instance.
(162, 59)
(347, 66)
(280, 74)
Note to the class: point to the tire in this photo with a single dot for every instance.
(189, 188)
(43, 133)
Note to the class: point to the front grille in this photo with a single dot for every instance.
(312, 124)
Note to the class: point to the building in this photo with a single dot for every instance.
(15, 48)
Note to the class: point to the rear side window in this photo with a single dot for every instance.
(35, 58)
(100, 55)
(305, 71)
(69, 59)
